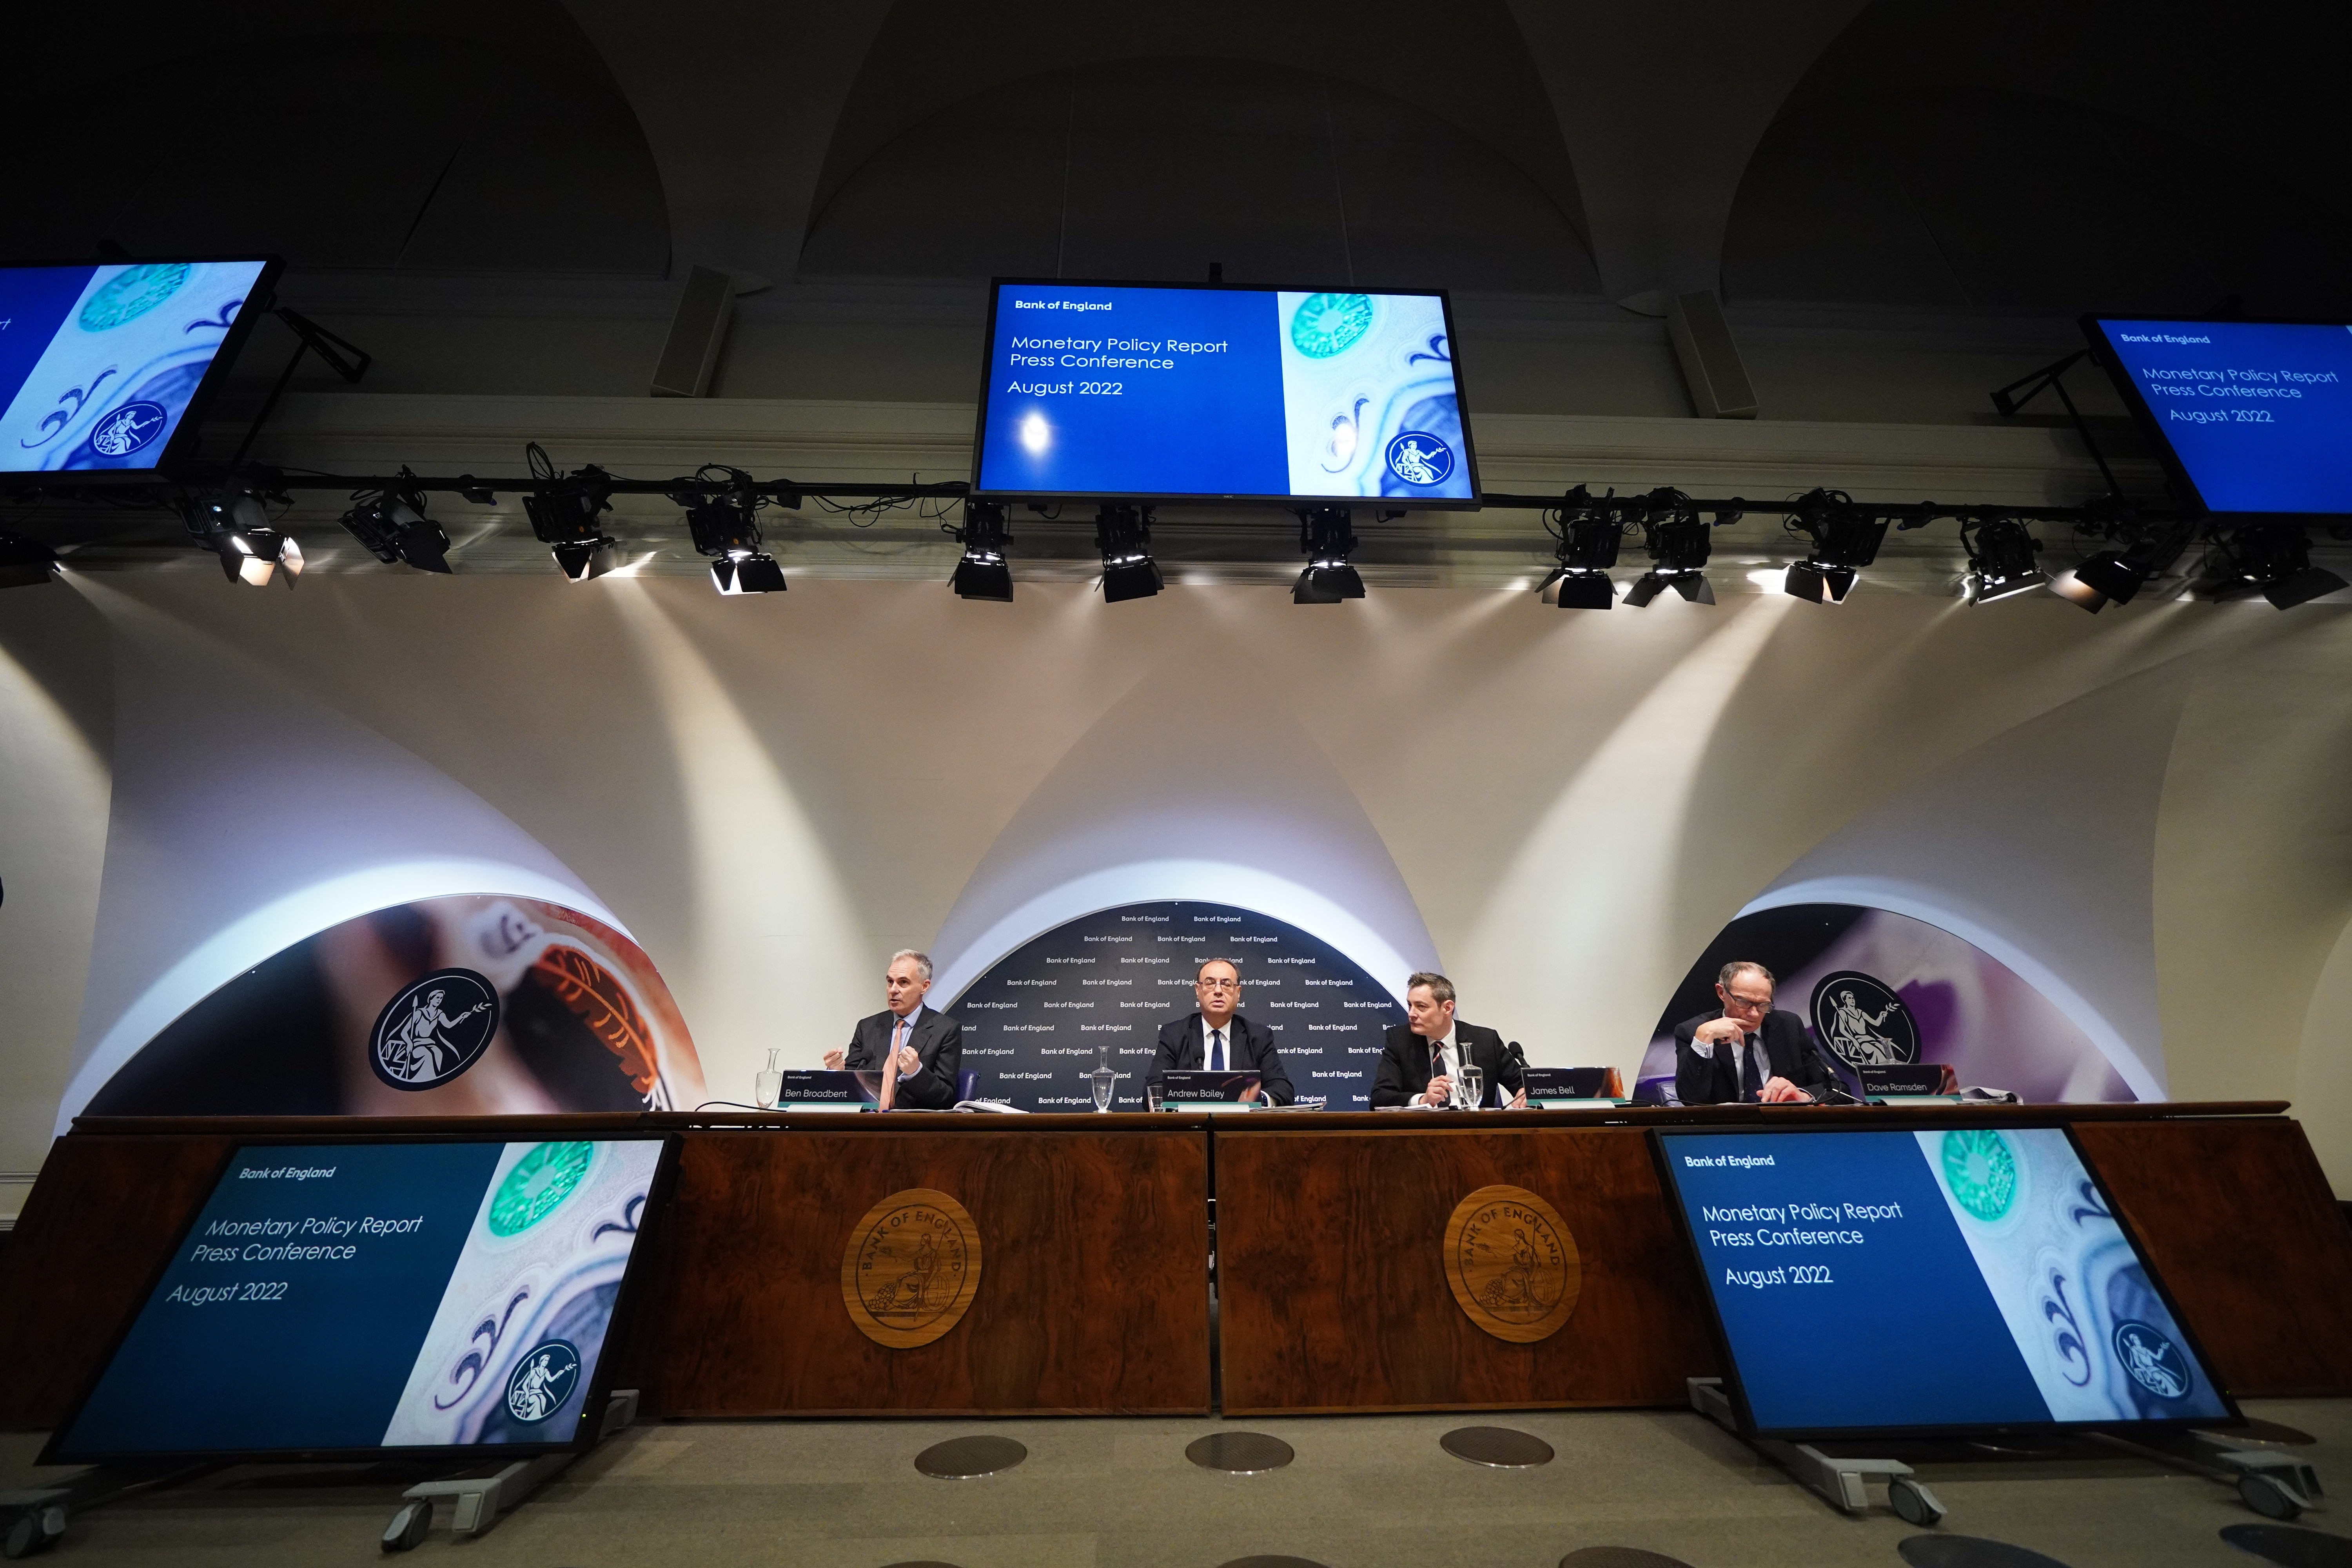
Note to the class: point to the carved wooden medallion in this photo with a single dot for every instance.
(1512, 1263)
(911, 1267)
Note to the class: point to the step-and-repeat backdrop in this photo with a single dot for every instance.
(1099, 988)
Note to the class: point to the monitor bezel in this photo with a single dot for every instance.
(260, 302)
(1735, 1389)
(2176, 476)
(626, 1307)
(996, 286)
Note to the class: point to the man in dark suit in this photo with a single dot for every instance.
(1747, 1049)
(1217, 1038)
(1425, 1053)
(917, 1051)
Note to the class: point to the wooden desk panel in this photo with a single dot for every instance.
(1331, 1275)
(2239, 1225)
(1094, 1292)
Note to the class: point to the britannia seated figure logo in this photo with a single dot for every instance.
(542, 1381)
(2151, 1358)
(435, 1029)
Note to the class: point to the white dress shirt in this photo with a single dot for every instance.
(1211, 1036)
(1450, 1064)
(1747, 1042)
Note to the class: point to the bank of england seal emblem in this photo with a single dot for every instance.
(1861, 1018)
(1980, 1172)
(911, 1269)
(542, 1381)
(131, 293)
(1328, 324)
(434, 1029)
(1418, 458)
(1513, 1264)
(538, 1184)
(128, 429)
(2151, 1358)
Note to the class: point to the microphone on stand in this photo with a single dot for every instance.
(1836, 1085)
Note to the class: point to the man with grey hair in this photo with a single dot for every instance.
(1424, 1056)
(917, 1051)
(1747, 1049)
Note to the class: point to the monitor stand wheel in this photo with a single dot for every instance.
(477, 1503)
(1842, 1482)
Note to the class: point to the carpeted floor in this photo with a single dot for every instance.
(1363, 1492)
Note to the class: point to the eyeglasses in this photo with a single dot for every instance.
(1217, 985)
(1750, 1003)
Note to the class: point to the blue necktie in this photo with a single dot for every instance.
(1751, 1076)
(1216, 1050)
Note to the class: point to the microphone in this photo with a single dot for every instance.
(1836, 1085)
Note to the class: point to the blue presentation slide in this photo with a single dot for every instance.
(98, 363)
(358, 1296)
(2258, 413)
(1161, 392)
(1961, 1277)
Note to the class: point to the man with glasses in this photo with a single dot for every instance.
(1747, 1051)
(1217, 1038)
(917, 1051)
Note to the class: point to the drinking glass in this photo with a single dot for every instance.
(1470, 1089)
(766, 1085)
(1104, 1080)
(1151, 1092)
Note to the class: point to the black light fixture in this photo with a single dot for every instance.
(1845, 540)
(1327, 535)
(391, 524)
(1123, 535)
(567, 516)
(726, 528)
(983, 573)
(235, 525)
(25, 562)
(1590, 533)
(1678, 540)
(2272, 558)
(2001, 558)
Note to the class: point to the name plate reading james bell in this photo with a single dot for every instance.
(1513, 1264)
(911, 1269)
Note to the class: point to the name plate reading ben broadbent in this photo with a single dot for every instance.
(911, 1269)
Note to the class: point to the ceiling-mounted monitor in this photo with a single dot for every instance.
(1951, 1279)
(107, 366)
(383, 1295)
(1165, 392)
(2250, 418)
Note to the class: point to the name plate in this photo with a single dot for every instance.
(1879, 1081)
(816, 1090)
(1569, 1088)
(1185, 1090)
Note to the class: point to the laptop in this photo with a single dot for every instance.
(1184, 1090)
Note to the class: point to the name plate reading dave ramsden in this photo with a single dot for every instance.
(911, 1269)
(1513, 1264)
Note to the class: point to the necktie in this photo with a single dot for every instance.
(890, 1067)
(1216, 1050)
(1751, 1076)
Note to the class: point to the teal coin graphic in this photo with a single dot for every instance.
(1328, 324)
(131, 293)
(539, 1181)
(1982, 1173)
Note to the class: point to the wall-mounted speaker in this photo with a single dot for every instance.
(696, 333)
(1718, 382)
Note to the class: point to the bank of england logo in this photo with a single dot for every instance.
(911, 1267)
(1980, 1172)
(1418, 458)
(1862, 1019)
(542, 1381)
(128, 429)
(131, 293)
(1328, 324)
(435, 1029)
(1512, 1263)
(2154, 1362)
(538, 1182)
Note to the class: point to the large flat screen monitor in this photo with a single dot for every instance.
(349, 1299)
(1155, 392)
(2250, 418)
(1949, 1279)
(108, 366)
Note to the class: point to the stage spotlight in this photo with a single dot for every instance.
(2274, 559)
(1679, 540)
(2111, 576)
(393, 525)
(1123, 535)
(1590, 533)
(566, 515)
(1327, 535)
(1845, 539)
(983, 573)
(2000, 559)
(726, 527)
(235, 525)
(25, 562)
